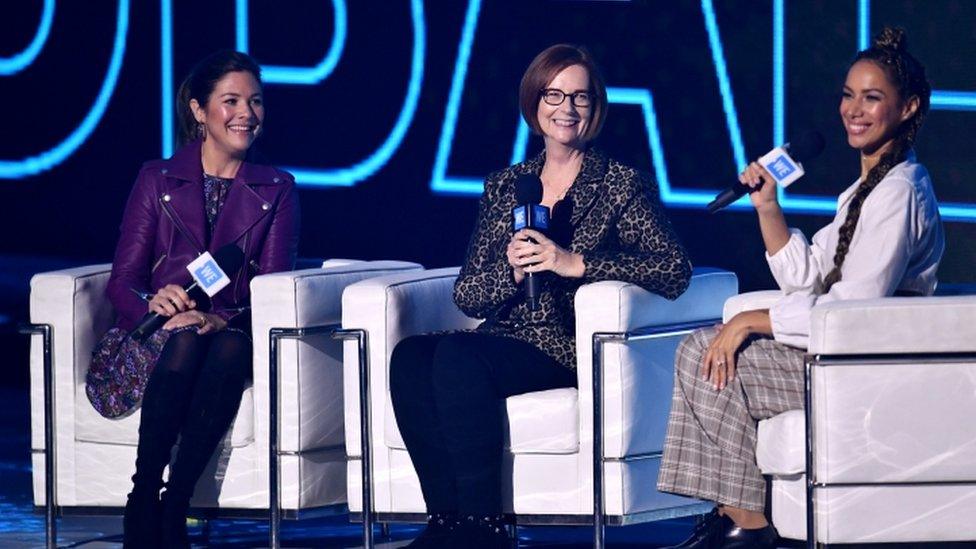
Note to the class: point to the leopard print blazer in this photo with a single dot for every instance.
(618, 225)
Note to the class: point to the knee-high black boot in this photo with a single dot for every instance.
(159, 425)
(216, 398)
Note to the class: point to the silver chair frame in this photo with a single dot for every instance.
(812, 361)
(599, 520)
(50, 449)
(274, 454)
(52, 510)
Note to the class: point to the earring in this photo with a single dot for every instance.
(201, 130)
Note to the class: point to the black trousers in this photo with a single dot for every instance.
(448, 391)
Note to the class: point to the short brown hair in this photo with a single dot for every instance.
(544, 68)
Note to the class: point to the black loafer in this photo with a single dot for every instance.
(708, 534)
(756, 538)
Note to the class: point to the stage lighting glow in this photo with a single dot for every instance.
(277, 74)
(13, 64)
(442, 182)
(941, 100)
(33, 165)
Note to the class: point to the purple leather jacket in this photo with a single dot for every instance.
(164, 228)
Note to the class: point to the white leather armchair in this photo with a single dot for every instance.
(891, 397)
(550, 437)
(95, 456)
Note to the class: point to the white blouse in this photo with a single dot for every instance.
(896, 246)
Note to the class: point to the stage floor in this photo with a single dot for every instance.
(21, 526)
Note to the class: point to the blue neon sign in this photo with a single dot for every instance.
(441, 180)
(33, 165)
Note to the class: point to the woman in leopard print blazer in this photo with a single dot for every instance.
(606, 224)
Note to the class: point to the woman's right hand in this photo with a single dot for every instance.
(171, 299)
(756, 176)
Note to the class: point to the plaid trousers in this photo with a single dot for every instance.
(710, 448)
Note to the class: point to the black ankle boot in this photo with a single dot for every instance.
(481, 532)
(439, 528)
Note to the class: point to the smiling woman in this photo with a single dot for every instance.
(188, 377)
(606, 224)
(886, 238)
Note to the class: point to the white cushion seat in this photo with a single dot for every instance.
(894, 443)
(95, 456)
(548, 465)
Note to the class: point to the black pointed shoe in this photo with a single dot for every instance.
(709, 533)
(756, 538)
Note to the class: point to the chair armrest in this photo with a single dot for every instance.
(894, 325)
(73, 302)
(310, 369)
(389, 309)
(749, 301)
(638, 376)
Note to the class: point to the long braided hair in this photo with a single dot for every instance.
(907, 75)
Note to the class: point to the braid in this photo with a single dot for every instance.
(896, 154)
(908, 75)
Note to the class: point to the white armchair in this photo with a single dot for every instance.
(95, 456)
(550, 436)
(891, 397)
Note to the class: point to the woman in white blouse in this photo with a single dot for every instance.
(886, 238)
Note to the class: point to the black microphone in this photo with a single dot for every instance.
(783, 163)
(529, 214)
(228, 258)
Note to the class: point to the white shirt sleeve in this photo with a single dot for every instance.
(875, 264)
(797, 265)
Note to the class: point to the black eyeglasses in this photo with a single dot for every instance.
(555, 97)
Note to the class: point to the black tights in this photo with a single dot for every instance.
(448, 391)
(193, 392)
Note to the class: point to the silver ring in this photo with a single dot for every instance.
(721, 363)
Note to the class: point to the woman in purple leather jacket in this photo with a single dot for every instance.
(190, 374)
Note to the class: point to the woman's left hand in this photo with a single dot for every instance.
(546, 255)
(206, 323)
(718, 366)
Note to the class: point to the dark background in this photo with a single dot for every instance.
(69, 214)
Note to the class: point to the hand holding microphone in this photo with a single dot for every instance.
(782, 165)
(170, 300)
(762, 196)
(210, 275)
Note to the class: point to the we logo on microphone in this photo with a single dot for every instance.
(779, 164)
(208, 274)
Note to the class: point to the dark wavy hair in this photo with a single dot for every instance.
(199, 84)
(907, 75)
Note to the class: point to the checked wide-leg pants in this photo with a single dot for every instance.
(710, 448)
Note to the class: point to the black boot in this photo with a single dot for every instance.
(216, 398)
(140, 522)
(439, 528)
(709, 533)
(159, 425)
(481, 532)
(173, 534)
